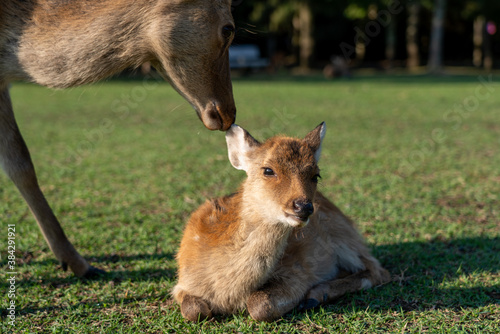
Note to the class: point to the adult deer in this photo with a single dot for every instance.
(67, 43)
(275, 243)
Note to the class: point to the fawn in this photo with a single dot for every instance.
(275, 244)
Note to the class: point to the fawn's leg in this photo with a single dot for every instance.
(16, 161)
(328, 291)
(279, 296)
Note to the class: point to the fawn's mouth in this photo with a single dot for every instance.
(300, 220)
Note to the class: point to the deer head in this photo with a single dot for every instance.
(190, 45)
(282, 174)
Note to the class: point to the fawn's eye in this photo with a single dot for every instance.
(227, 31)
(316, 178)
(268, 172)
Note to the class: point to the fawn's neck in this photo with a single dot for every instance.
(261, 242)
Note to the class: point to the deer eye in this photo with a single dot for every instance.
(228, 31)
(316, 178)
(269, 172)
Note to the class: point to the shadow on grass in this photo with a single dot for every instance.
(89, 306)
(426, 276)
(112, 276)
(442, 257)
(146, 274)
(434, 275)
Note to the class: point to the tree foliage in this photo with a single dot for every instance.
(338, 21)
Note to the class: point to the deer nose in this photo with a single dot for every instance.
(218, 117)
(303, 208)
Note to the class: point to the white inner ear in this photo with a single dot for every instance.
(237, 147)
(322, 133)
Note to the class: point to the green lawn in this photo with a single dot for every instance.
(414, 160)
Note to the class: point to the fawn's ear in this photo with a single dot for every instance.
(239, 144)
(315, 138)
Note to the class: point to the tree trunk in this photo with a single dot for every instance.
(306, 40)
(435, 64)
(488, 51)
(412, 48)
(478, 38)
(390, 40)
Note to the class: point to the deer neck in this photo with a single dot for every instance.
(263, 240)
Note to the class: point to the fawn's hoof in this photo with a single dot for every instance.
(195, 309)
(385, 277)
(308, 304)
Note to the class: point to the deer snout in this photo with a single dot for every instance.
(303, 208)
(218, 117)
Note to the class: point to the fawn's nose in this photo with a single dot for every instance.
(303, 208)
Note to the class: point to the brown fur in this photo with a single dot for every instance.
(64, 43)
(245, 251)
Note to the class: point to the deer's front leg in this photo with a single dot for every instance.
(15, 160)
(193, 308)
(268, 305)
(276, 298)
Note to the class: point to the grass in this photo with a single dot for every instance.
(123, 164)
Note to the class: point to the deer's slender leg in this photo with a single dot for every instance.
(16, 162)
(331, 290)
(288, 290)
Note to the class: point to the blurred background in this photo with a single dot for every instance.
(338, 36)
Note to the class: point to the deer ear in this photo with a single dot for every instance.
(239, 144)
(315, 139)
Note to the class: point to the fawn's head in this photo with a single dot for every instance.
(190, 42)
(282, 173)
